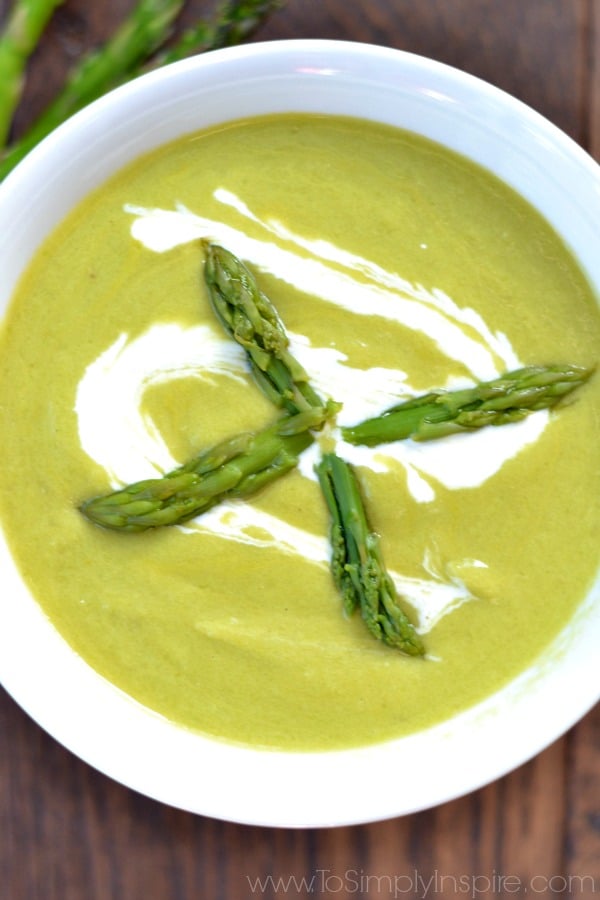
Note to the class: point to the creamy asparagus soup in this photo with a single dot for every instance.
(397, 267)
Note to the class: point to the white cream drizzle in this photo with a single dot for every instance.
(432, 313)
(127, 443)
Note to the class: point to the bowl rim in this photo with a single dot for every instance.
(304, 789)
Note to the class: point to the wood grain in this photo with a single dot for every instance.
(592, 79)
(69, 833)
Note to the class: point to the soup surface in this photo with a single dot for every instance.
(397, 267)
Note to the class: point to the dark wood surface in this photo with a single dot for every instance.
(69, 833)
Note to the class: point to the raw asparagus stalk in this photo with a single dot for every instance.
(499, 402)
(249, 317)
(18, 40)
(140, 34)
(237, 467)
(357, 565)
(233, 22)
(132, 50)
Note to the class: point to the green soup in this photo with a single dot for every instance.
(397, 267)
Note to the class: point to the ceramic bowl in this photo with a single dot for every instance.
(59, 691)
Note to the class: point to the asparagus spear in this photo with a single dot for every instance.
(237, 467)
(144, 30)
(131, 51)
(251, 320)
(233, 22)
(506, 399)
(18, 40)
(357, 565)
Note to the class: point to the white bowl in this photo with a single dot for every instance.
(89, 716)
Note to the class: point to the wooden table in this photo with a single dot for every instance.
(69, 833)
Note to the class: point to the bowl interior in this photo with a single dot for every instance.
(92, 718)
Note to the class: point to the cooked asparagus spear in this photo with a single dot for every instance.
(251, 320)
(237, 467)
(18, 40)
(357, 565)
(506, 399)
